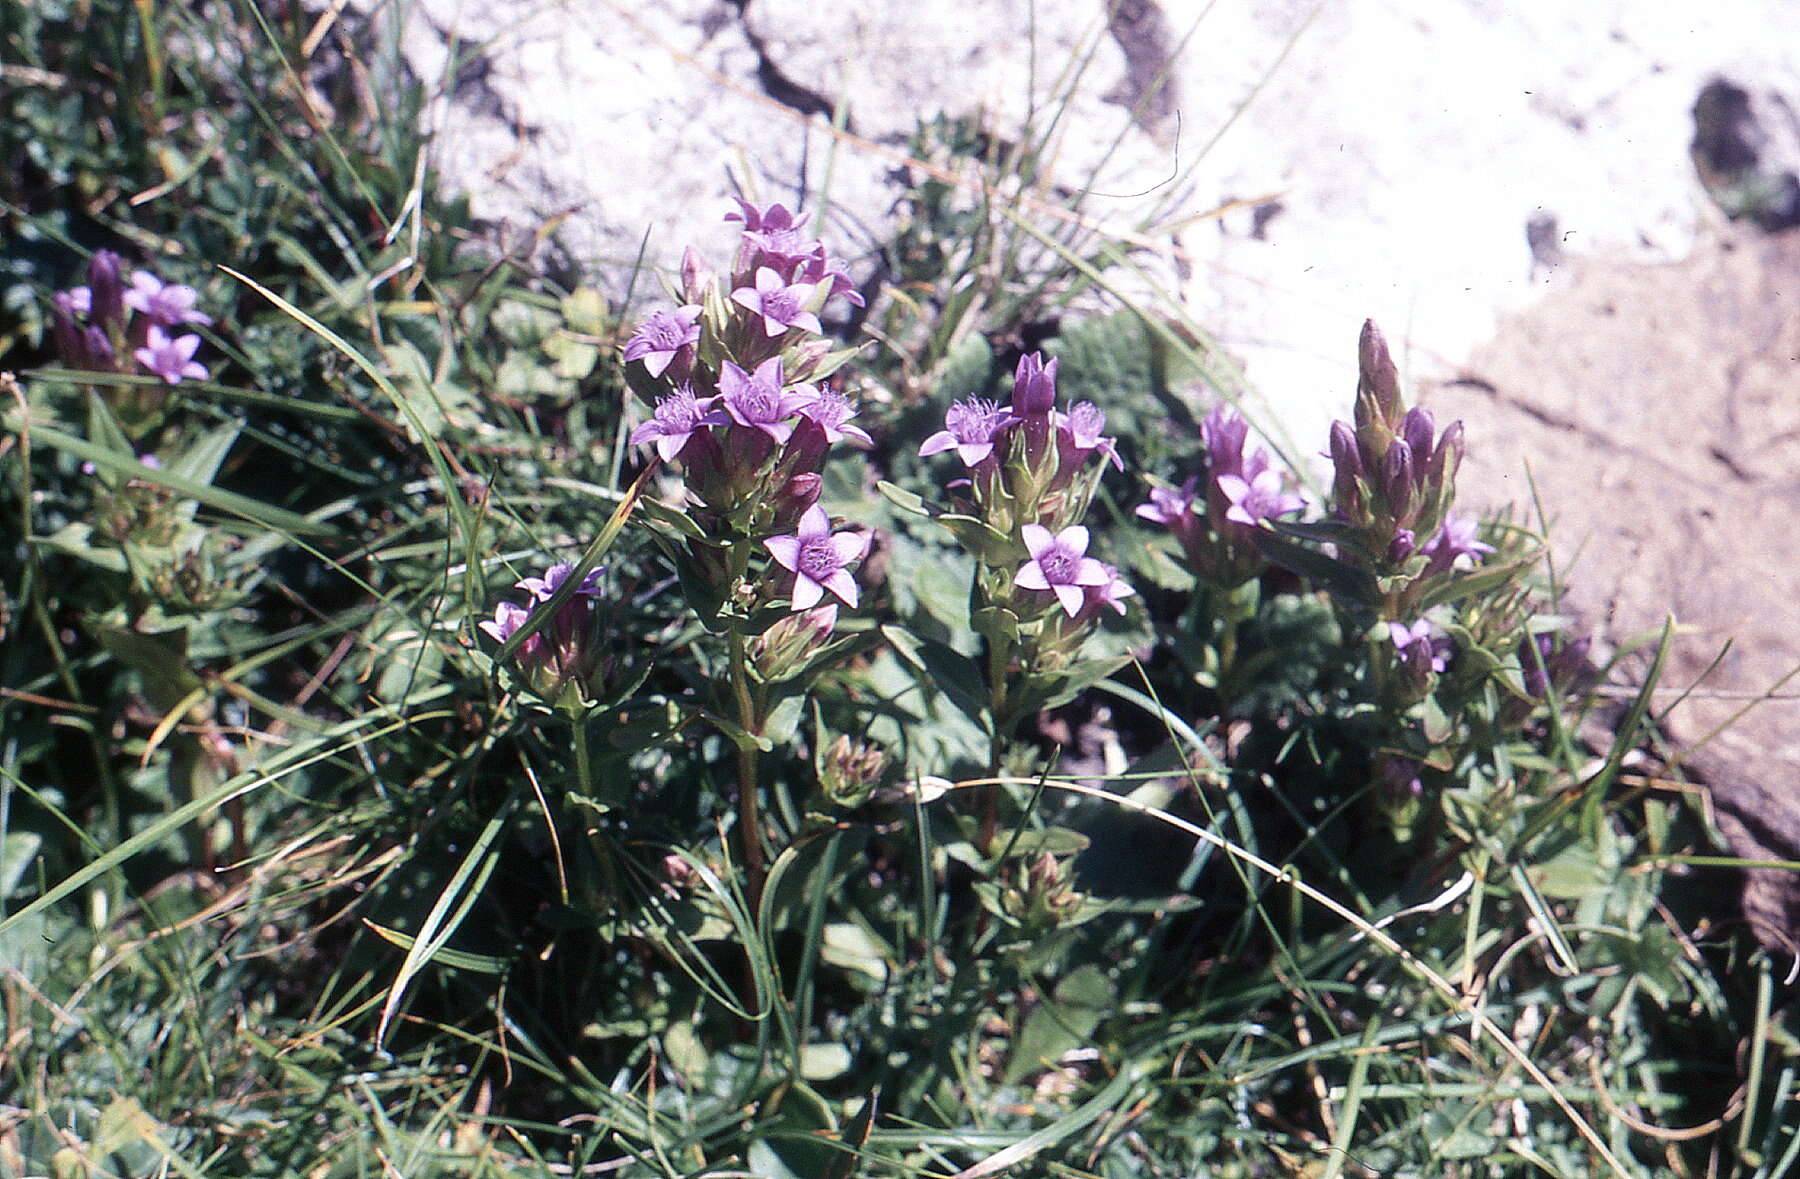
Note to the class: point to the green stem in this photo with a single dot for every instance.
(749, 810)
(999, 657)
(584, 785)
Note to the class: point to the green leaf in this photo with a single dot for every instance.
(901, 498)
(225, 501)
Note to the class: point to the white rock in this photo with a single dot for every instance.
(1409, 144)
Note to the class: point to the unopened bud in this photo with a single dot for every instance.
(1441, 470)
(1397, 481)
(1347, 472)
(850, 771)
(108, 289)
(1419, 429)
(99, 350)
(1377, 380)
(697, 277)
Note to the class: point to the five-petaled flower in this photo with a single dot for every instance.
(833, 411)
(1172, 507)
(171, 359)
(1456, 545)
(969, 426)
(1258, 498)
(818, 557)
(757, 400)
(1059, 563)
(663, 337)
(674, 422)
(1080, 432)
(167, 304)
(781, 305)
(542, 589)
(1416, 646)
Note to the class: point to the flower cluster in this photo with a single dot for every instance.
(1028, 479)
(561, 661)
(738, 377)
(1217, 518)
(94, 325)
(106, 327)
(1394, 476)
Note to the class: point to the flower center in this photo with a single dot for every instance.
(818, 558)
(1058, 565)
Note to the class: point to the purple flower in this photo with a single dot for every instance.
(781, 305)
(817, 558)
(820, 267)
(663, 337)
(1112, 594)
(1223, 433)
(1059, 563)
(970, 427)
(170, 359)
(757, 400)
(542, 589)
(674, 422)
(1034, 387)
(775, 218)
(783, 250)
(1455, 546)
(106, 300)
(507, 620)
(1079, 434)
(1173, 508)
(832, 411)
(168, 304)
(1417, 648)
(68, 309)
(1258, 498)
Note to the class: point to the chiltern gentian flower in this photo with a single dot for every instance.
(542, 589)
(817, 557)
(1258, 498)
(168, 304)
(757, 400)
(1112, 594)
(170, 359)
(833, 411)
(1059, 563)
(1455, 546)
(1173, 508)
(775, 218)
(674, 422)
(662, 337)
(1079, 433)
(780, 304)
(969, 426)
(1034, 387)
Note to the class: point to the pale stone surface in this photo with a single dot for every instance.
(1409, 144)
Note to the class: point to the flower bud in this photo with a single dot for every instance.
(850, 771)
(788, 648)
(99, 350)
(1419, 429)
(108, 290)
(1377, 380)
(1397, 481)
(1440, 472)
(1347, 473)
(697, 278)
(1404, 545)
(796, 495)
(66, 331)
